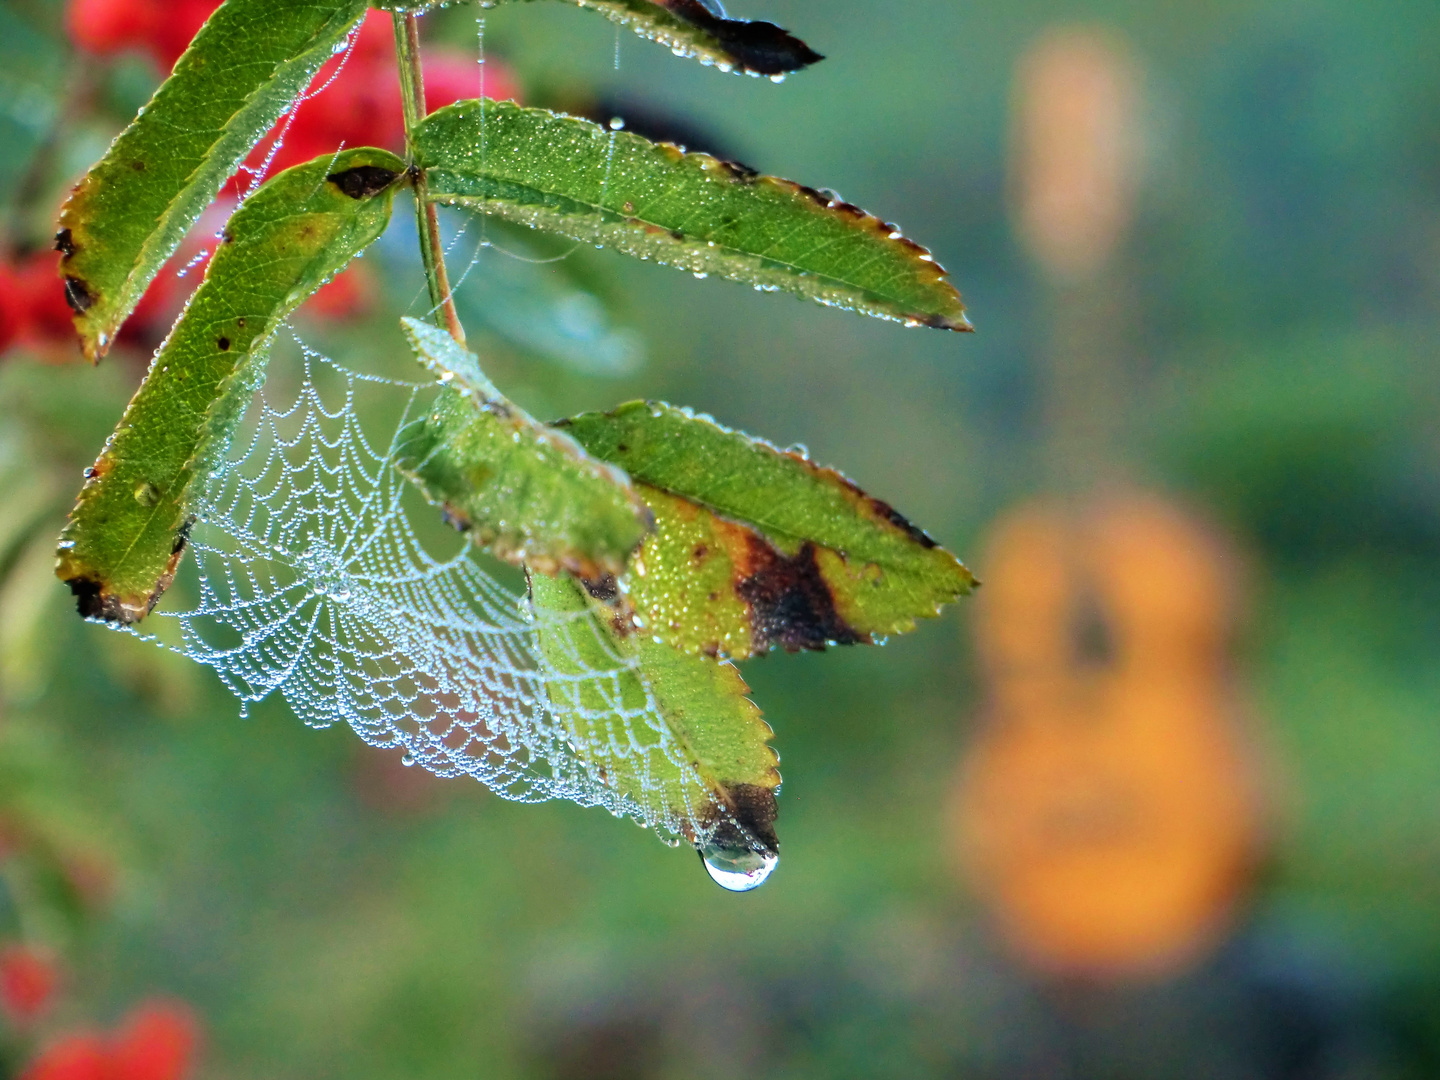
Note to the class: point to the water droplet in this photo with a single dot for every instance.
(408, 759)
(738, 869)
(701, 274)
(775, 79)
(146, 493)
(616, 123)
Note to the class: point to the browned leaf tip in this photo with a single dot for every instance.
(761, 47)
(868, 222)
(748, 819)
(96, 599)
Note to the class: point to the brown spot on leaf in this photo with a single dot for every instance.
(222, 343)
(363, 181)
(138, 166)
(240, 322)
(700, 552)
(739, 170)
(78, 295)
(605, 589)
(65, 243)
(791, 604)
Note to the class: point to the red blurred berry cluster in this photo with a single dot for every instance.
(157, 1041)
(360, 105)
(33, 311)
(28, 979)
(354, 101)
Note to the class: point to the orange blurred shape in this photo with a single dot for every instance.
(1107, 809)
(1074, 147)
(28, 978)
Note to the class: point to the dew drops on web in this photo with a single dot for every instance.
(315, 579)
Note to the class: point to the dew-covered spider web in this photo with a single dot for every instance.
(325, 578)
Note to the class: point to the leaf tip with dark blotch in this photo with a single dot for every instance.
(748, 821)
(757, 48)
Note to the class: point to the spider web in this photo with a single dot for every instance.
(315, 583)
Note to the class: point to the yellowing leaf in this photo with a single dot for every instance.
(756, 547)
(721, 777)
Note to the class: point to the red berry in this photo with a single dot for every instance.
(74, 1057)
(27, 983)
(345, 296)
(161, 28)
(108, 26)
(157, 1042)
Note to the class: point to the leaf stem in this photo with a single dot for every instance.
(432, 251)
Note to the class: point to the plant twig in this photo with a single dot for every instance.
(432, 251)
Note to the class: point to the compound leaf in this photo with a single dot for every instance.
(693, 211)
(726, 779)
(132, 209)
(526, 492)
(756, 547)
(128, 529)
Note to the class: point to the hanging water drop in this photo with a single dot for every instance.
(738, 869)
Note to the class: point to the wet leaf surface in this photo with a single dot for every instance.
(127, 531)
(132, 209)
(692, 211)
(726, 777)
(756, 547)
(692, 28)
(527, 493)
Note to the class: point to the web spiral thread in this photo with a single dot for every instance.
(315, 584)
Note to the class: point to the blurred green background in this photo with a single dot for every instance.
(330, 914)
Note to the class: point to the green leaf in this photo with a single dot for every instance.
(725, 790)
(691, 28)
(128, 528)
(756, 547)
(526, 492)
(688, 28)
(132, 209)
(691, 211)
